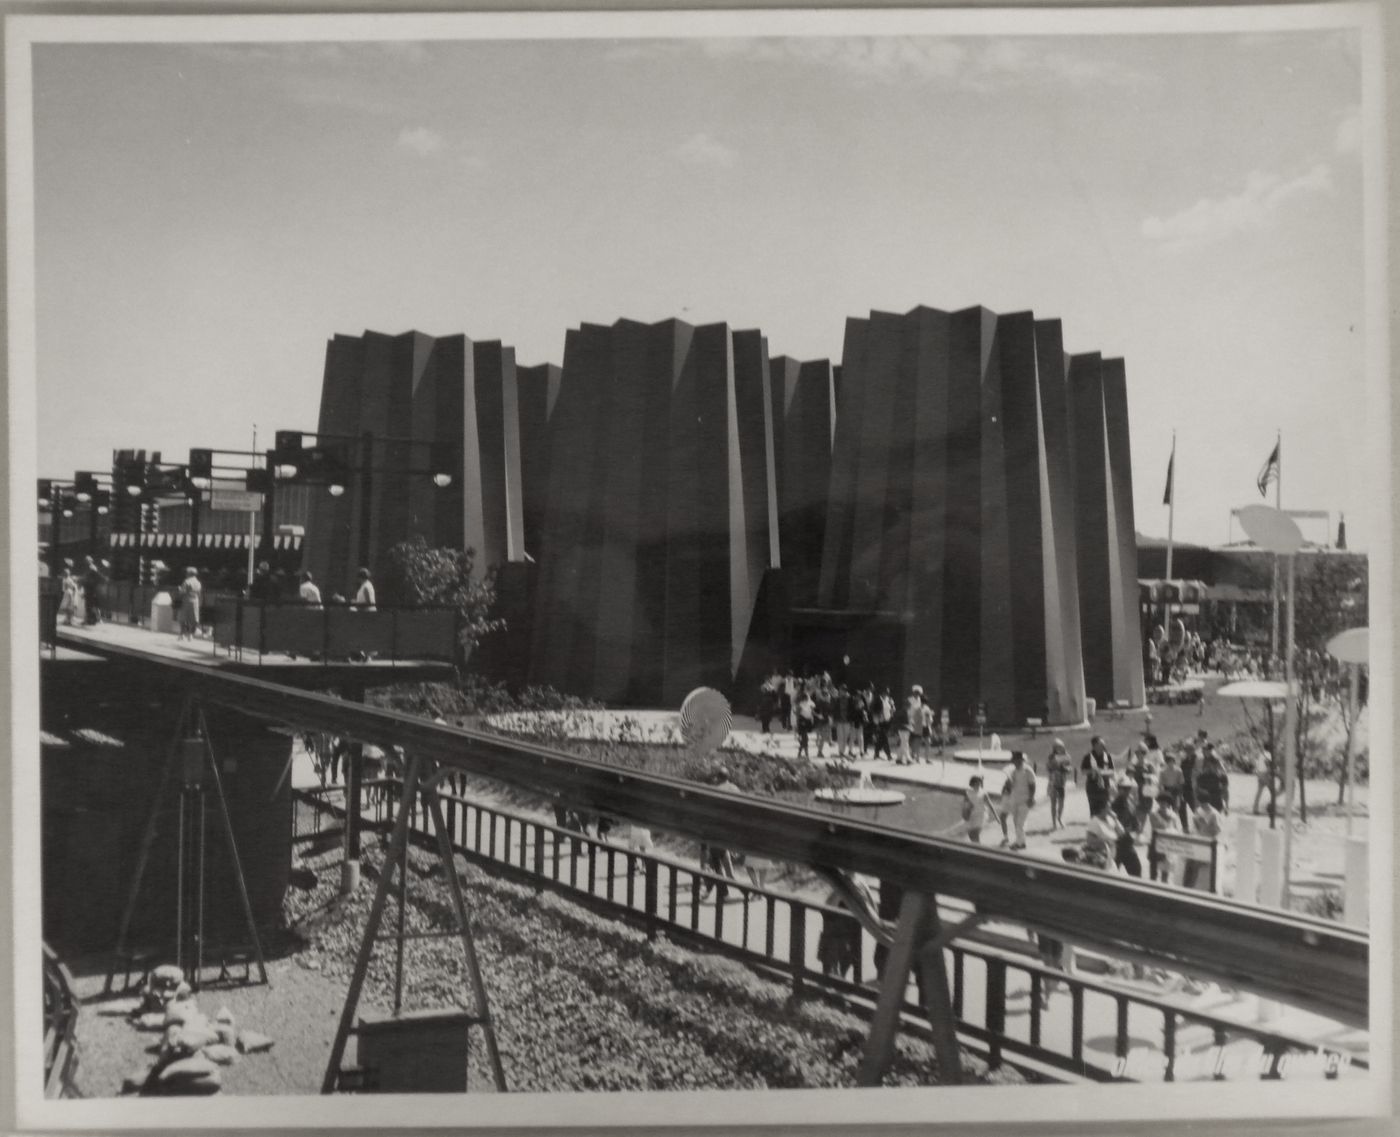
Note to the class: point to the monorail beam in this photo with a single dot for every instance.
(1310, 963)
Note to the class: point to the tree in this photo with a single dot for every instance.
(1330, 596)
(418, 574)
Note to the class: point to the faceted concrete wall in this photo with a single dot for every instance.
(538, 390)
(659, 517)
(1105, 535)
(451, 391)
(946, 491)
(804, 401)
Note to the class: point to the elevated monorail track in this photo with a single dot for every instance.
(1306, 962)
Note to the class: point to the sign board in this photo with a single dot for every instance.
(1200, 849)
(1200, 857)
(240, 501)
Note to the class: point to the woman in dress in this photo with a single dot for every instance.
(190, 592)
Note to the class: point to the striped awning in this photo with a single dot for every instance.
(288, 541)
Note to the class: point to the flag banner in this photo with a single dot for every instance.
(1270, 471)
(1171, 474)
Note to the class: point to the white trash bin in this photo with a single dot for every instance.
(162, 613)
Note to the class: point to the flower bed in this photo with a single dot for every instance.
(584, 1003)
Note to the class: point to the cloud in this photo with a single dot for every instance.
(420, 140)
(967, 64)
(702, 150)
(1348, 138)
(1252, 209)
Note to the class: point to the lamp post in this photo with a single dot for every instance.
(1273, 530)
(292, 460)
(1352, 647)
(328, 462)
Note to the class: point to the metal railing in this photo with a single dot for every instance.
(781, 933)
(60, 1028)
(1298, 960)
(332, 632)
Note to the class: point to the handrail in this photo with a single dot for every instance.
(1301, 960)
(644, 905)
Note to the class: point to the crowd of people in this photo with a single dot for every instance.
(855, 719)
(268, 587)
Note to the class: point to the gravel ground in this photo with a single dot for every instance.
(580, 1002)
(297, 1010)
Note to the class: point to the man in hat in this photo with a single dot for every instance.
(1098, 774)
(1124, 808)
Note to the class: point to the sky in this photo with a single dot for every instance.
(209, 215)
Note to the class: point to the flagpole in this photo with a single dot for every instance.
(1171, 522)
(1278, 504)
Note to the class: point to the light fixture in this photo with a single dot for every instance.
(442, 480)
(102, 511)
(286, 470)
(133, 489)
(43, 503)
(336, 489)
(83, 496)
(67, 511)
(201, 483)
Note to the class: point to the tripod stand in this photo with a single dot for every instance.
(420, 782)
(198, 767)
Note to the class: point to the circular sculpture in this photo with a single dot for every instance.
(860, 795)
(705, 719)
(989, 757)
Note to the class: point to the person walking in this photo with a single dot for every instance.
(1264, 777)
(190, 593)
(308, 591)
(805, 718)
(93, 579)
(977, 808)
(262, 590)
(1018, 795)
(1124, 808)
(860, 721)
(881, 717)
(768, 703)
(1189, 762)
(1058, 771)
(841, 718)
(364, 595)
(68, 596)
(1101, 837)
(1162, 866)
(1212, 783)
(1098, 775)
(821, 714)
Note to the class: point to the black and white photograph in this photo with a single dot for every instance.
(737, 567)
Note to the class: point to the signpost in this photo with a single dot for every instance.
(1192, 849)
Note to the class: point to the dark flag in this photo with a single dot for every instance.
(1342, 532)
(1270, 471)
(1171, 471)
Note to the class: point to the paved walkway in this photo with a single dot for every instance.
(1319, 850)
